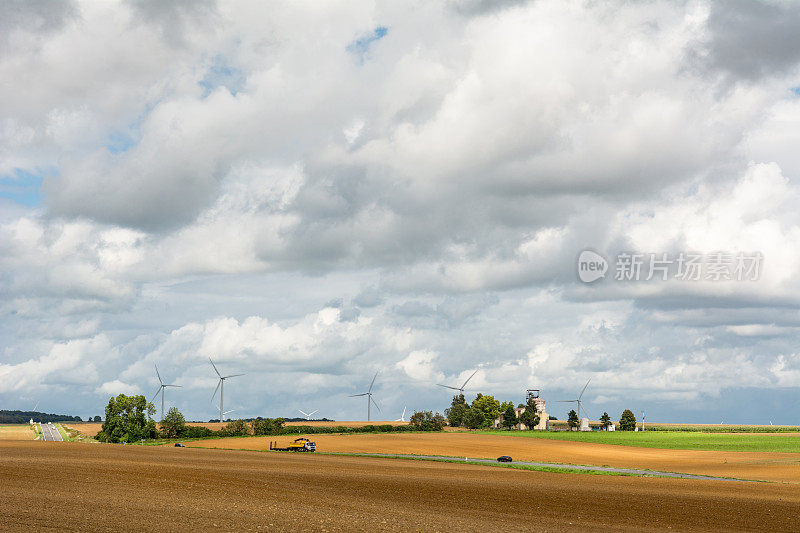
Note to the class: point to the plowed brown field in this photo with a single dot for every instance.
(745, 465)
(126, 488)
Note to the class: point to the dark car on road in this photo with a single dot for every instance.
(179, 445)
(504, 459)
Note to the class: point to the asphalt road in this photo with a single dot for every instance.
(49, 432)
(631, 471)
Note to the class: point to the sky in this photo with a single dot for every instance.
(309, 193)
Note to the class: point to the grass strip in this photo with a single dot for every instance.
(668, 439)
(64, 435)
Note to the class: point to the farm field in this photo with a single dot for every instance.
(169, 489)
(675, 440)
(765, 466)
(16, 432)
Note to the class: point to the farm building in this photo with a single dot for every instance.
(533, 395)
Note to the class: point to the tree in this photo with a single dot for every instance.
(530, 417)
(234, 428)
(427, 421)
(128, 420)
(572, 419)
(474, 419)
(173, 425)
(455, 413)
(627, 421)
(267, 426)
(605, 419)
(510, 417)
(97, 418)
(487, 405)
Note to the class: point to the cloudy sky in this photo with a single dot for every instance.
(313, 192)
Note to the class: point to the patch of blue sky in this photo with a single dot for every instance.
(221, 74)
(795, 90)
(360, 47)
(23, 187)
(119, 142)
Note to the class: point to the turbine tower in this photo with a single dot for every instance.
(461, 388)
(308, 415)
(578, 400)
(368, 394)
(221, 388)
(160, 390)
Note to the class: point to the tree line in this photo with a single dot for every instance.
(129, 419)
(23, 417)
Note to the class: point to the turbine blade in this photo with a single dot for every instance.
(449, 387)
(376, 403)
(215, 390)
(469, 378)
(584, 389)
(231, 376)
(157, 374)
(312, 412)
(173, 385)
(156, 394)
(354, 395)
(215, 367)
(373, 382)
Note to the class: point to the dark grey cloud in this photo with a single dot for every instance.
(482, 7)
(749, 40)
(175, 18)
(35, 16)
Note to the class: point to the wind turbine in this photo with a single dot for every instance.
(461, 388)
(221, 388)
(35, 407)
(368, 394)
(402, 417)
(578, 400)
(161, 390)
(308, 415)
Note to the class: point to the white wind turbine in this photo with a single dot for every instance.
(368, 394)
(578, 400)
(308, 415)
(461, 388)
(402, 417)
(221, 388)
(160, 390)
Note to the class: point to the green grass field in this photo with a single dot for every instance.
(673, 440)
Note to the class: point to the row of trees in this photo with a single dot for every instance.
(129, 419)
(627, 421)
(22, 417)
(485, 409)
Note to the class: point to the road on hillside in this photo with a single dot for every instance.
(50, 432)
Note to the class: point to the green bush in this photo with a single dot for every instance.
(427, 421)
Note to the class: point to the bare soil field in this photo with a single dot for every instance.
(16, 432)
(765, 466)
(125, 488)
